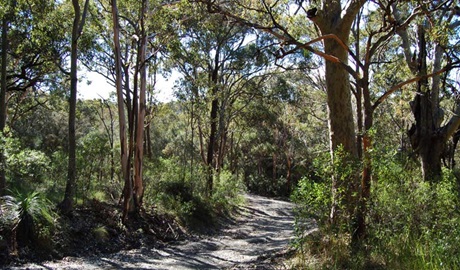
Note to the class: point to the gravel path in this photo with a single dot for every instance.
(262, 231)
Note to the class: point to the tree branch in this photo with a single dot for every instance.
(83, 17)
(352, 11)
(415, 79)
(454, 123)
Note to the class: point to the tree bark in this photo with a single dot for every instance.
(121, 112)
(3, 104)
(67, 204)
(138, 189)
(341, 121)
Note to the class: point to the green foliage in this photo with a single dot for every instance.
(93, 164)
(34, 205)
(181, 191)
(29, 217)
(265, 185)
(412, 224)
(25, 167)
(100, 233)
(28, 165)
(228, 189)
(314, 200)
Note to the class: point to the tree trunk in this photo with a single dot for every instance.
(66, 205)
(212, 142)
(360, 228)
(425, 135)
(3, 104)
(341, 125)
(341, 122)
(121, 111)
(138, 190)
(427, 143)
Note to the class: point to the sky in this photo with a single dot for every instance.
(100, 88)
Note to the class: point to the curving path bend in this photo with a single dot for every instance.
(262, 231)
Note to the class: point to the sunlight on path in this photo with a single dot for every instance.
(263, 229)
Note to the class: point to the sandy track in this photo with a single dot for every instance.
(263, 230)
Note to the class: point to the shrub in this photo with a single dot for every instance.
(26, 217)
(27, 167)
(412, 224)
(227, 191)
(180, 190)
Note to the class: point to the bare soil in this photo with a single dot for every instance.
(257, 237)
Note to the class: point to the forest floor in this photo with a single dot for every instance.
(257, 236)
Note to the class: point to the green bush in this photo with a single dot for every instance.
(228, 189)
(180, 190)
(27, 218)
(26, 168)
(411, 224)
(313, 199)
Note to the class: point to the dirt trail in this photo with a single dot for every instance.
(262, 230)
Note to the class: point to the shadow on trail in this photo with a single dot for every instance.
(262, 229)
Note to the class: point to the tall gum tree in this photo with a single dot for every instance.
(121, 109)
(77, 28)
(138, 188)
(136, 45)
(331, 20)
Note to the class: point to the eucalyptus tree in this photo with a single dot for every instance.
(77, 29)
(120, 101)
(430, 49)
(220, 62)
(139, 33)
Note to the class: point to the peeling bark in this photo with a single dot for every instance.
(121, 112)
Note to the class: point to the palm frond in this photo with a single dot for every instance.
(9, 212)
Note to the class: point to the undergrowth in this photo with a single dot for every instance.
(174, 200)
(412, 224)
(181, 192)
